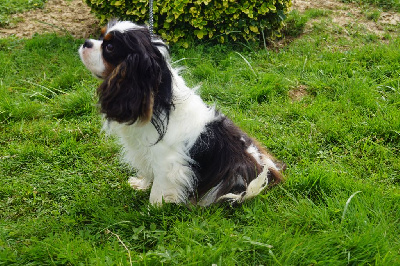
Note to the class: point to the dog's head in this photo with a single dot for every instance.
(136, 77)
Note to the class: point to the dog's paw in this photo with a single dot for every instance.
(158, 200)
(139, 183)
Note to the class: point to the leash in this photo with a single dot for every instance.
(151, 17)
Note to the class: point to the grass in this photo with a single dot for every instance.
(385, 4)
(9, 7)
(18, 6)
(64, 198)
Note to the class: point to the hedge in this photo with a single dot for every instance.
(178, 21)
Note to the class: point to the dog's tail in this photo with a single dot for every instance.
(270, 176)
(275, 175)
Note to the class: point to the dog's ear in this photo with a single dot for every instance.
(127, 94)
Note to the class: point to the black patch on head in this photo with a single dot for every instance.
(220, 156)
(139, 85)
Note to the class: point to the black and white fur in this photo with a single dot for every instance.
(182, 149)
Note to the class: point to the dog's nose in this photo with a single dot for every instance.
(88, 44)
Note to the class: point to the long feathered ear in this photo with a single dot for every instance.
(127, 94)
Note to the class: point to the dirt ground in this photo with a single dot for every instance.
(345, 14)
(57, 16)
(74, 16)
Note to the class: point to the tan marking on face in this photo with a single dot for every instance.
(108, 37)
(103, 30)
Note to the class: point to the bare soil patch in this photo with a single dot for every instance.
(58, 16)
(348, 14)
(298, 93)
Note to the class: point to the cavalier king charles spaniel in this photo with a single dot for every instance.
(183, 149)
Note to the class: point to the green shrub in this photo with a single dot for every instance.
(178, 21)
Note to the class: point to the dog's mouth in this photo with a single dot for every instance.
(92, 61)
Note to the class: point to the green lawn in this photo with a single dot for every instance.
(64, 197)
(17, 6)
(8, 7)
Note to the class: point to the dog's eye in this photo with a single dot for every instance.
(109, 47)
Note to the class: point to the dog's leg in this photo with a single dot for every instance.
(163, 193)
(172, 186)
(139, 183)
(142, 180)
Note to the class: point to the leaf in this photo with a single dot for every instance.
(254, 29)
(263, 9)
(272, 7)
(200, 34)
(193, 10)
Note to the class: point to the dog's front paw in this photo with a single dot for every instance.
(139, 183)
(159, 199)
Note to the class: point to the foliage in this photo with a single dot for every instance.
(182, 20)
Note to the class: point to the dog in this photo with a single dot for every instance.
(184, 150)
